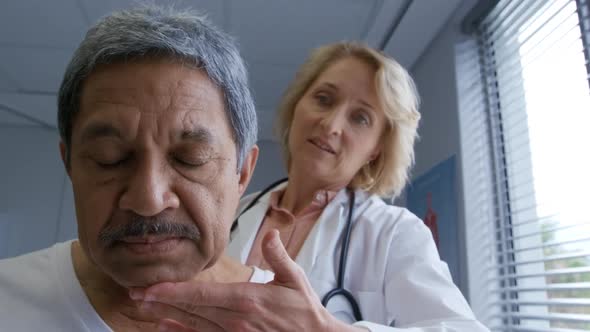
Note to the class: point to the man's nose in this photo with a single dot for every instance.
(149, 190)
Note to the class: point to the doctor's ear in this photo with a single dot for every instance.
(374, 156)
(376, 153)
(248, 165)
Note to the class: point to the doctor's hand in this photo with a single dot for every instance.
(288, 303)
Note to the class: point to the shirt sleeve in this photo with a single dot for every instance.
(419, 289)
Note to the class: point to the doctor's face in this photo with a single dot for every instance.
(154, 172)
(337, 124)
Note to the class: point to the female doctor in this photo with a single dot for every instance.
(347, 125)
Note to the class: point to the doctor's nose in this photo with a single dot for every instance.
(148, 191)
(334, 121)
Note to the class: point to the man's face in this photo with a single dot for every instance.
(154, 171)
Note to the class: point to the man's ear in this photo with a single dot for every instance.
(248, 166)
(64, 156)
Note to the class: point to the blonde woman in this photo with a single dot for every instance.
(350, 261)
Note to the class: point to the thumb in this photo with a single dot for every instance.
(287, 272)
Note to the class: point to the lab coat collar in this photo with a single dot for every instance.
(327, 225)
(244, 235)
(330, 224)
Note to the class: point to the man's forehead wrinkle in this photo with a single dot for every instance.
(100, 101)
(103, 88)
(192, 129)
(179, 96)
(109, 96)
(188, 123)
(198, 91)
(106, 104)
(98, 130)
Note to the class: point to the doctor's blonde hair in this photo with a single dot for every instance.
(388, 173)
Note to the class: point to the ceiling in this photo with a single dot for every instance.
(37, 38)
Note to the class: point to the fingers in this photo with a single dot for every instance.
(173, 326)
(189, 296)
(287, 272)
(175, 319)
(183, 295)
(202, 319)
(230, 320)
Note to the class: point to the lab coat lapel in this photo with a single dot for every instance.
(328, 226)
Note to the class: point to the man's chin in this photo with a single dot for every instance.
(146, 276)
(141, 265)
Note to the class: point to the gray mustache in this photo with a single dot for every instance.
(142, 226)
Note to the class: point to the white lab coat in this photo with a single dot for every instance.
(393, 270)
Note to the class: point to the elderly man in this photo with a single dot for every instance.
(158, 133)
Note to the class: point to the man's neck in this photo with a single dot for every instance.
(112, 302)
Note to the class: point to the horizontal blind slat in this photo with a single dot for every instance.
(551, 287)
(547, 273)
(577, 318)
(555, 302)
(577, 254)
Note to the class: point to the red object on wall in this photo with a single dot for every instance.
(430, 218)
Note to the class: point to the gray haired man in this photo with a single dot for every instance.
(158, 134)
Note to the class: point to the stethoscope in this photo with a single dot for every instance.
(339, 290)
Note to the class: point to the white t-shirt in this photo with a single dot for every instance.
(40, 292)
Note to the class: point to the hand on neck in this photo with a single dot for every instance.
(111, 300)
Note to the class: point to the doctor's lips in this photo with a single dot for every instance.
(148, 232)
(322, 145)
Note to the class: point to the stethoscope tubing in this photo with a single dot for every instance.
(340, 290)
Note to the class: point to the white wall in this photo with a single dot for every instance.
(434, 74)
(36, 209)
(269, 167)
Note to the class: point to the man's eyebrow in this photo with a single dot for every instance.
(98, 130)
(199, 135)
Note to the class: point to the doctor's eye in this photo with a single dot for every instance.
(323, 99)
(361, 118)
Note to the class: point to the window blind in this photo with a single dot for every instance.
(525, 129)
